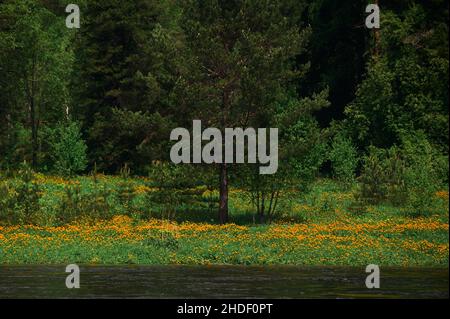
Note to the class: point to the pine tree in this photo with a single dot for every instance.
(124, 62)
(240, 62)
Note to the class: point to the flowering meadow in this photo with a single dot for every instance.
(123, 223)
(122, 241)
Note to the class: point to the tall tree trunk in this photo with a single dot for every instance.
(223, 201)
(223, 196)
(263, 208)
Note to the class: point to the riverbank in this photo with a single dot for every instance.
(122, 240)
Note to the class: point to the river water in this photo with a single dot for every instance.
(221, 282)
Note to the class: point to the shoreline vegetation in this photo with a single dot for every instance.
(406, 243)
(320, 227)
(360, 117)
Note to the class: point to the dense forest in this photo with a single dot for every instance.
(358, 105)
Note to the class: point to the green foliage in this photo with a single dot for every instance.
(16, 147)
(175, 188)
(70, 207)
(19, 203)
(404, 176)
(324, 239)
(423, 174)
(8, 204)
(383, 177)
(302, 147)
(28, 194)
(161, 239)
(35, 63)
(67, 149)
(301, 153)
(344, 159)
(139, 68)
(78, 205)
(126, 136)
(125, 191)
(406, 85)
(239, 58)
(124, 73)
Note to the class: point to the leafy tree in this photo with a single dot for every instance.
(344, 159)
(407, 175)
(406, 84)
(34, 61)
(239, 60)
(67, 149)
(302, 151)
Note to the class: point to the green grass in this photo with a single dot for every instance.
(318, 244)
(316, 228)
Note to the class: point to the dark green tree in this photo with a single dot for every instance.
(239, 66)
(406, 86)
(125, 61)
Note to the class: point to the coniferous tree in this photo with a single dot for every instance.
(124, 62)
(240, 63)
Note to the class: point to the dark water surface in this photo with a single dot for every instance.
(220, 282)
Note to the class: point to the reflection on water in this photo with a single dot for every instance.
(220, 282)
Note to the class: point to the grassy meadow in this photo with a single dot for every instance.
(112, 220)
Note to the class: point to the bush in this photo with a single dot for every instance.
(19, 202)
(76, 205)
(125, 191)
(344, 159)
(406, 176)
(67, 149)
(423, 174)
(7, 204)
(382, 177)
(175, 188)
